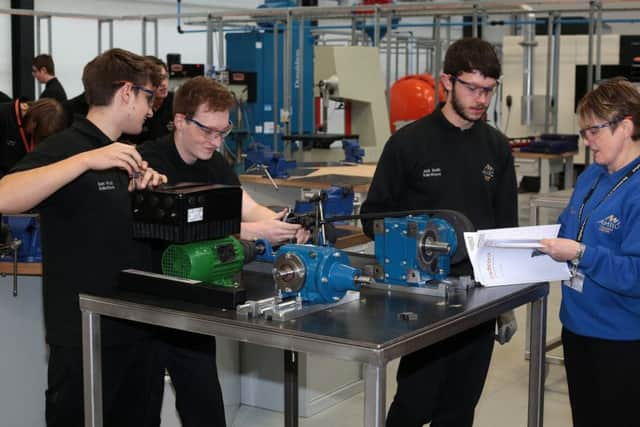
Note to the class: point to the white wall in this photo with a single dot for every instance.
(75, 41)
(5, 50)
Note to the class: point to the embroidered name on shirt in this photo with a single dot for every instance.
(106, 185)
(488, 172)
(609, 224)
(431, 172)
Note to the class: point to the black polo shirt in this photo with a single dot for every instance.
(12, 147)
(4, 97)
(86, 237)
(53, 89)
(163, 156)
(432, 164)
(75, 108)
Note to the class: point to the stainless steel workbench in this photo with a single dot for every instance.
(368, 331)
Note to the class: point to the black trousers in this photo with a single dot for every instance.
(442, 383)
(604, 380)
(190, 360)
(126, 384)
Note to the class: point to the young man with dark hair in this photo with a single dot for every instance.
(450, 159)
(201, 119)
(43, 70)
(79, 181)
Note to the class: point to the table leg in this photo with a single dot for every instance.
(92, 369)
(290, 388)
(375, 401)
(568, 173)
(545, 172)
(537, 362)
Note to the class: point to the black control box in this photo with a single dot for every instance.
(187, 212)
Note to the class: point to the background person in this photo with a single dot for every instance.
(43, 70)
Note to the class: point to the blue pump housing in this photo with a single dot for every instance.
(328, 273)
(403, 254)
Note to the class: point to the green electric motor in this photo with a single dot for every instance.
(211, 261)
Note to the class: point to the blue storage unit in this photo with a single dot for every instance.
(253, 52)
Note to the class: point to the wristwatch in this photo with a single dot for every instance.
(576, 260)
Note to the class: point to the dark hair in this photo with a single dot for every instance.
(157, 61)
(44, 118)
(107, 72)
(202, 90)
(472, 54)
(44, 61)
(611, 101)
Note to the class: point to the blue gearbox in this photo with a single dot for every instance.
(413, 250)
(319, 274)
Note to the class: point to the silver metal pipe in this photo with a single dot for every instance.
(376, 28)
(92, 368)
(300, 75)
(474, 21)
(598, 70)
(209, 65)
(592, 4)
(548, 98)
(528, 63)
(286, 76)
(388, 60)
(397, 73)
(50, 34)
(437, 65)
(111, 34)
(556, 72)
(375, 380)
(406, 57)
(354, 32)
(38, 50)
(275, 86)
(222, 63)
(536, 363)
(156, 48)
(144, 36)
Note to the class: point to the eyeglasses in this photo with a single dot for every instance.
(210, 132)
(591, 132)
(475, 89)
(151, 94)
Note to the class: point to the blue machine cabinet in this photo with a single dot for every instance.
(254, 52)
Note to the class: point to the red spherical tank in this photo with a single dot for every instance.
(412, 97)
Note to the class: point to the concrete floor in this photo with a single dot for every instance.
(503, 402)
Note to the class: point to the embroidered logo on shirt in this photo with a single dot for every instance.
(106, 185)
(488, 172)
(431, 172)
(11, 143)
(609, 224)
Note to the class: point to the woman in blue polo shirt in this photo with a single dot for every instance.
(600, 238)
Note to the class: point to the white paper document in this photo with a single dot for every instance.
(509, 256)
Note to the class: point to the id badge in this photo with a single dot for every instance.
(576, 282)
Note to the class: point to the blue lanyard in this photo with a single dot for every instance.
(625, 178)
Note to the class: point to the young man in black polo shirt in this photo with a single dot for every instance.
(450, 159)
(201, 120)
(79, 181)
(43, 70)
